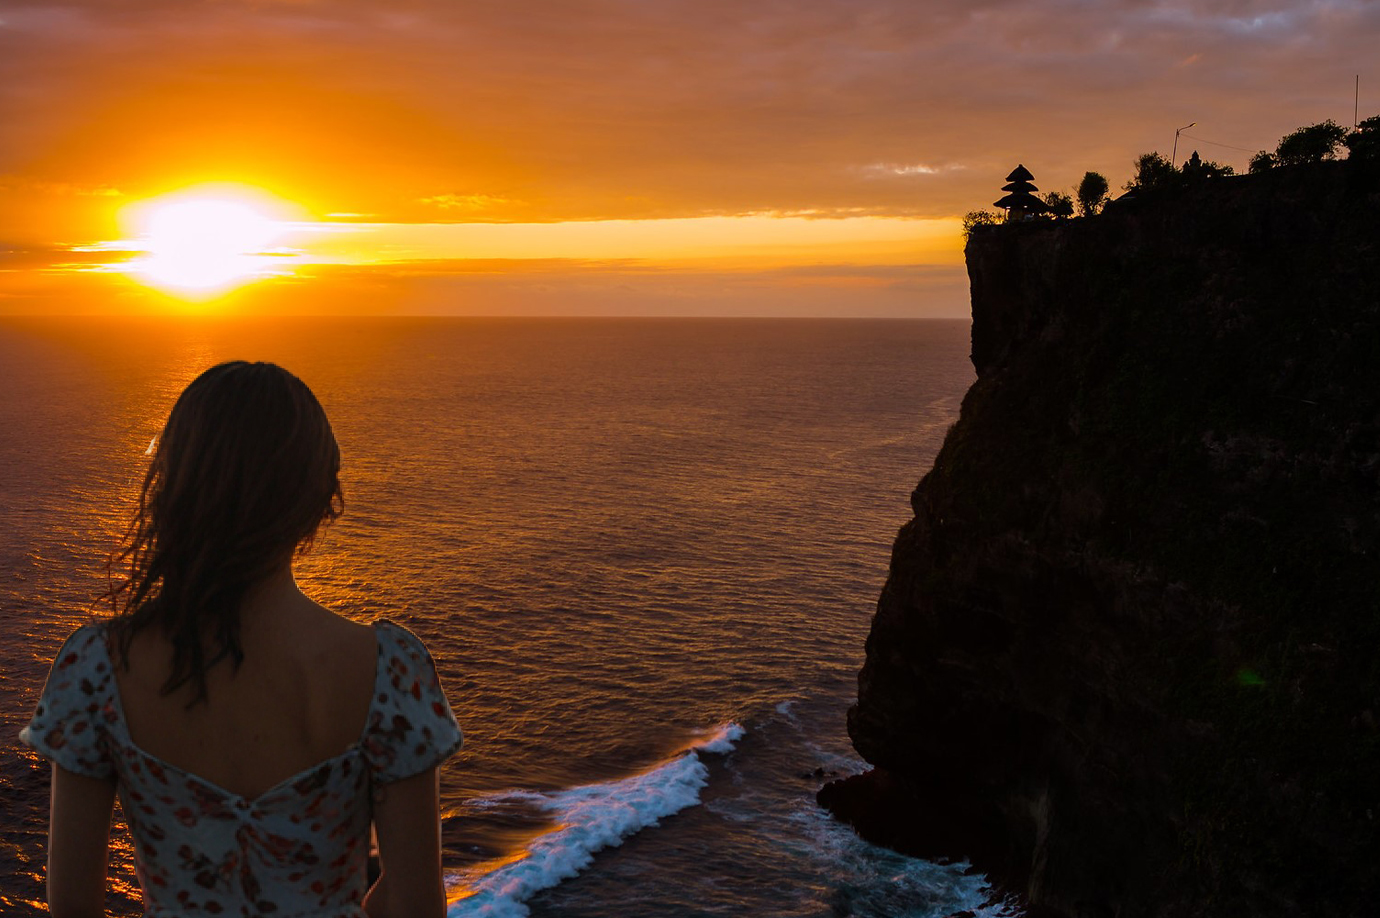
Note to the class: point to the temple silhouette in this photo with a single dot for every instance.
(1020, 203)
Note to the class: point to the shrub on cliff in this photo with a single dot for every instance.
(1059, 204)
(1262, 161)
(975, 218)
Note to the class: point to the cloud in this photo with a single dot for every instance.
(892, 170)
(16, 256)
(18, 183)
(582, 287)
(553, 287)
(469, 203)
(598, 109)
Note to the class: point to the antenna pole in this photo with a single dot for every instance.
(1356, 104)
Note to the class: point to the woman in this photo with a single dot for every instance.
(251, 734)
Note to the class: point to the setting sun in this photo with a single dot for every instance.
(199, 244)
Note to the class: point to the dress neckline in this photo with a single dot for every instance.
(250, 802)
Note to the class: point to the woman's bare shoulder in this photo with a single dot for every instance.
(340, 639)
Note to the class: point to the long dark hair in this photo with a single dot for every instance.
(246, 473)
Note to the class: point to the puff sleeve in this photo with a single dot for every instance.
(411, 727)
(69, 724)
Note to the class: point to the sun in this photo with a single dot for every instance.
(197, 242)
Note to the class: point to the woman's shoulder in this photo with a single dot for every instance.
(76, 705)
(335, 649)
(86, 650)
(340, 635)
(394, 638)
(405, 665)
(411, 725)
(90, 632)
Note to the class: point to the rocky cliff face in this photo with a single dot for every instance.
(1128, 655)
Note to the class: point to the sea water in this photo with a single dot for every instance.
(644, 553)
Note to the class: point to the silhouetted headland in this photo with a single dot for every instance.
(1126, 657)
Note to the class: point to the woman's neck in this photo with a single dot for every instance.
(271, 598)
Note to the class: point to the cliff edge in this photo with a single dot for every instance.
(1128, 655)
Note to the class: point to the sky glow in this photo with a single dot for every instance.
(661, 144)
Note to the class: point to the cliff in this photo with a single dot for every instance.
(1128, 655)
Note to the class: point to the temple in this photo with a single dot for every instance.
(1020, 203)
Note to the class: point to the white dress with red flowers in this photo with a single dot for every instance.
(298, 850)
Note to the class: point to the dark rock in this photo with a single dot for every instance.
(1125, 656)
(819, 774)
(883, 811)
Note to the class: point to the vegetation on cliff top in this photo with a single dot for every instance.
(1154, 172)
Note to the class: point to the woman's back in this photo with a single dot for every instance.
(295, 848)
(300, 696)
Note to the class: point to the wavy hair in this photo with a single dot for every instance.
(245, 474)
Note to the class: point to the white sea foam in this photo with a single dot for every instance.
(590, 818)
(883, 882)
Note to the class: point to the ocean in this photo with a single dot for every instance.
(644, 554)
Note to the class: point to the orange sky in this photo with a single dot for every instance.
(706, 157)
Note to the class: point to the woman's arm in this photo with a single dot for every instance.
(78, 843)
(408, 822)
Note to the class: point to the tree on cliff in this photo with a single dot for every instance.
(1153, 171)
(1364, 142)
(1092, 193)
(1311, 144)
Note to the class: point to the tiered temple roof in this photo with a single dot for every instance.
(1021, 200)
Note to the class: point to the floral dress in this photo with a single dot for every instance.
(298, 850)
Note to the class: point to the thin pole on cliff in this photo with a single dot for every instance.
(1356, 104)
(1174, 157)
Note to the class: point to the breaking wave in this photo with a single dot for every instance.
(590, 818)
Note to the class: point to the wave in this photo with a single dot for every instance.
(591, 817)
